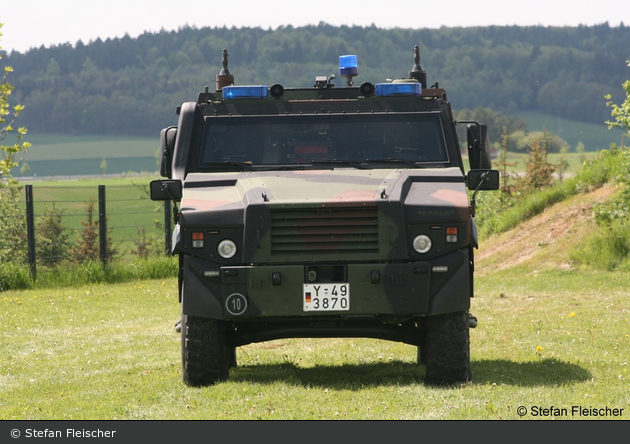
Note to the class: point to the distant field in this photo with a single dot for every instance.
(66, 155)
(595, 137)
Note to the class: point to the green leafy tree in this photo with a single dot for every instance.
(12, 221)
(621, 113)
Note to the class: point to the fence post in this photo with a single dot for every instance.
(102, 223)
(30, 231)
(168, 229)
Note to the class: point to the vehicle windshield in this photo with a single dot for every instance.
(323, 140)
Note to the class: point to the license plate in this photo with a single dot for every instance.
(326, 297)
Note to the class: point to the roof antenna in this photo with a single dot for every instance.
(224, 78)
(417, 72)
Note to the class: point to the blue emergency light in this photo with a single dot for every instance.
(398, 89)
(348, 66)
(245, 92)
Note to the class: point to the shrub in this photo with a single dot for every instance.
(52, 237)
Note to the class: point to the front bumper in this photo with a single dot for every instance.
(245, 294)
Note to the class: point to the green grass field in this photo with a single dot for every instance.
(110, 352)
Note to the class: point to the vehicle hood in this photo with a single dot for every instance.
(425, 193)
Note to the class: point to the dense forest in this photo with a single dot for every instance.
(131, 86)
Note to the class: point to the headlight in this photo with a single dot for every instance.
(422, 243)
(226, 249)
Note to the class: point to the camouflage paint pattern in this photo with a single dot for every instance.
(398, 204)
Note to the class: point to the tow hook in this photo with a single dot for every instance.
(472, 321)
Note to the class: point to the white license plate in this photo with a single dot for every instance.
(326, 297)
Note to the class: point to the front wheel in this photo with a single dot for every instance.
(204, 351)
(448, 349)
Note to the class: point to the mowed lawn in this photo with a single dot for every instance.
(544, 339)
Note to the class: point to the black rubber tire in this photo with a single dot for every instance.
(422, 348)
(204, 353)
(231, 356)
(448, 349)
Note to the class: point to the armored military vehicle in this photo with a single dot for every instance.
(325, 211)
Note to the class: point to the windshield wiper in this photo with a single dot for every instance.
(245, 166)
(390, 160)
(353, 163)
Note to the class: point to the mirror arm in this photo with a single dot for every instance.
(164, 187)
(473, 202)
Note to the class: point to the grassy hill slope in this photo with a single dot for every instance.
(545, 241)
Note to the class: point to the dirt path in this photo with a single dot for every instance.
(545, 240)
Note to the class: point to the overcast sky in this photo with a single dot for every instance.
(32, 23)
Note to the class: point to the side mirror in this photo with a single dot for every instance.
(167, 147)
(478, 180)
(478, 146)
(166, 190)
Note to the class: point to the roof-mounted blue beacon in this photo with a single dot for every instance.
(348, 68)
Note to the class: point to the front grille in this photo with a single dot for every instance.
(324, 230)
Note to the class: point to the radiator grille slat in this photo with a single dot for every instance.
(325, 231)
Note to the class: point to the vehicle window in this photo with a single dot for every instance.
(295, 140)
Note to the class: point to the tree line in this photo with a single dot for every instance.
(132, 86)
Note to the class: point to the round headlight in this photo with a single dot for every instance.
(226, 249)
(422, 243)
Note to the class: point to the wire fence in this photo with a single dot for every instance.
(57, 224)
